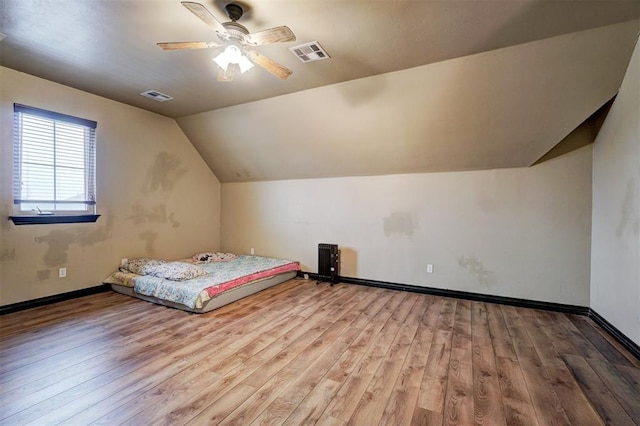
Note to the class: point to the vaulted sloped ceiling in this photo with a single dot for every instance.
(411, 86)
(502, 108)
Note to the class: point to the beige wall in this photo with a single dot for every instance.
(156, 196)
(521, 232)
(615, 259)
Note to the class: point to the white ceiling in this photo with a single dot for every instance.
(411, 86)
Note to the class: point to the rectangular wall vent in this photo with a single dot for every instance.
(156, 96)
(309, 52)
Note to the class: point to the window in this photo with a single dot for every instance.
(53, 163)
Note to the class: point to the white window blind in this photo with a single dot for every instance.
(53, 161)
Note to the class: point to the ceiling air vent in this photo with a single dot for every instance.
(156, 96)
(309, 52)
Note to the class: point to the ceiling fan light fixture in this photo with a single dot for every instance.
(233, 55)
(237, 42)
(245, 64)
(222, 61)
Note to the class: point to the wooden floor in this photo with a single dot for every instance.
(301, 353)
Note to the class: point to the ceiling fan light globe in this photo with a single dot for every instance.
(222, 61)
(233, 54)
(245, 64)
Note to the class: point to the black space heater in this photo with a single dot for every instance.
(328, 262)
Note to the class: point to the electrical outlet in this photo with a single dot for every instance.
(62, 272)
(123, 261)
(253, 251)
(429, 269)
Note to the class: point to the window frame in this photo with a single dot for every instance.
(22, 216)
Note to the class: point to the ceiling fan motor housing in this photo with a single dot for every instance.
(235, 34)
(235, 30)
(234, 11)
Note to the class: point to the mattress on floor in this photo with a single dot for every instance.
(202, 286)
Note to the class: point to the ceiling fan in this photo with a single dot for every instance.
(237, 42)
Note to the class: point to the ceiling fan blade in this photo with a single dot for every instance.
(270, 65)
(188, 45)
(270, 36)
(203, 13)
(227, 75)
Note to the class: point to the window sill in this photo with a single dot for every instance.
(47, 219)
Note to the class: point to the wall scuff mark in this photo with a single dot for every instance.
(43, 274)
(149, 237)
(7, 255)
(59, 241)
(154, 214)
(58, 246)
(173, 221)
(164, 172)
(401, 223)
(477, 270)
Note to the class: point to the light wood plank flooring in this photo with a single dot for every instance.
(301, 353)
